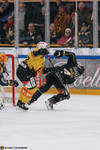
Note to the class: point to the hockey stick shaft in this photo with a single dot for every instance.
(50, 61)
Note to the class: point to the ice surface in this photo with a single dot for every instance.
(73, 125)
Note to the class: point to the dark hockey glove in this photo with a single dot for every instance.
(59, 53)
(13, 83)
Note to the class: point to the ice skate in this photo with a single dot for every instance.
(1, 106)
(49, 105)
(22, 105)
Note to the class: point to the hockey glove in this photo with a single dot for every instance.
(13, 83)
(59, 53)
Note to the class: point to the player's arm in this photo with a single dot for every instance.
(5, 82)
(5, 70)
(24, 71)
(61, 53)
(71, 56)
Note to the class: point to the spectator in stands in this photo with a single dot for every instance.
(89, 18)
(9, 23)
(21, 14)
(25, 16)
(30, 37)
(10, 35)
(66, 39)
(59, 3)
(54, 36)
(70, 7)
(38, 12)
(83, 13)
(41, 3)
(71, 24)
(38, 16)
(42, 22)
(6, 10)
(2, 35)
(61, 20)
(85, 35)
(54, 6)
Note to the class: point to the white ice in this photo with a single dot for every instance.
(73, 125)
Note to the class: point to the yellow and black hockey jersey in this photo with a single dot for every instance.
(35, 62)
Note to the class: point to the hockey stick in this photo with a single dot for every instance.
(59, 76)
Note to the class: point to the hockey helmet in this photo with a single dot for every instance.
(43, 48)
(42, 45)
(3, 57)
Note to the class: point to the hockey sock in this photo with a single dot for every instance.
(36, 95)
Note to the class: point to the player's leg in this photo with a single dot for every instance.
(55, 99)
(63, 92)
(43, 88)
(24, 96)
(28, 89)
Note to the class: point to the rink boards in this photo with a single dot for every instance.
(88, 83)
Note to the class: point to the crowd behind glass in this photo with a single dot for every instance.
(62, 23)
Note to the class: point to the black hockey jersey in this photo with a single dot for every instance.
(68, 73)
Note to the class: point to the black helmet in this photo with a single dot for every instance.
(80, 69)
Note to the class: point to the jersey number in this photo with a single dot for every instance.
(32, 81)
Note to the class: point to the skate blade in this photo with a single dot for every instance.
(47, 105)
(20, 109)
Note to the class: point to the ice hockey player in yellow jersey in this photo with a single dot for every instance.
(27, 71)
(3, 69)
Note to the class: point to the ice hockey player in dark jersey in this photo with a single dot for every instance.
(3, 69)
(60, 77)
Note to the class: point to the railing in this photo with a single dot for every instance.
(53, 0)
(34, 45)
